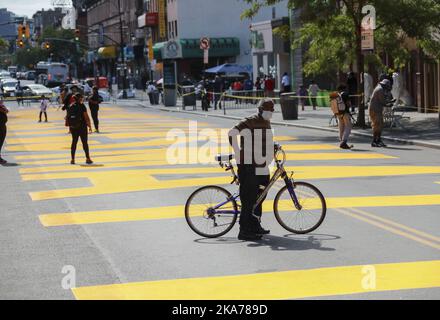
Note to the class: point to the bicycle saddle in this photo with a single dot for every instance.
(224, 157)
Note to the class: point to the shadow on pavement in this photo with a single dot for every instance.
(313, 242)
(284, 243)
(10, 164)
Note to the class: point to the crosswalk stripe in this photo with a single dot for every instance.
(296, 284)
(156, 159)
(175, 212)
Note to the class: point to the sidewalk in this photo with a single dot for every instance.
(420, 129)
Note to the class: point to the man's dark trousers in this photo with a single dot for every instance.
(250, 184)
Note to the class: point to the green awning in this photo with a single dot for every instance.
(220, 47)
(157, 50)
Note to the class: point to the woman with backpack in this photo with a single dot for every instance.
(78, 120)
(340, 105)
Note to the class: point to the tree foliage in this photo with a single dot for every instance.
(330, 30)
(29, 57)
(62, 44)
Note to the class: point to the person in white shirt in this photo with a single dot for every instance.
(313, 90)
(285, 82)
(151, 90)
(43, 107)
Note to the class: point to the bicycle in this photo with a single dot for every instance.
(299, 207)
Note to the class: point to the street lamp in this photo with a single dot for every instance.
(122, 45)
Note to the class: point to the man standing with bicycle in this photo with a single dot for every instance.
(253, 156)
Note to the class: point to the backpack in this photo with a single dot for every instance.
(337, 104)
(74, 117)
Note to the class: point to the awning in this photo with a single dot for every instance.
(107, 52)
(220, 47)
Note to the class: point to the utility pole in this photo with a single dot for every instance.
(124, 77)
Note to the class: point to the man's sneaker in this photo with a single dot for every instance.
(3, 161)
(249, 236)
(261, 231)
(381, 144)
(375, 145)
(89, 161)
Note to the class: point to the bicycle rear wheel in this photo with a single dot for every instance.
(206, 221)
(311, 215)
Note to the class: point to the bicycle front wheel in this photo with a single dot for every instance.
(211, 211)
(311, 215)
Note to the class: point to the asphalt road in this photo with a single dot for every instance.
(116, 229)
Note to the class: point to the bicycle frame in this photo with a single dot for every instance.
(279, 173)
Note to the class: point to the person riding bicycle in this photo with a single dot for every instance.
(253, 157)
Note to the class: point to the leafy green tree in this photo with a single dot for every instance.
(62, 44)
(29, 57)
(4, 46)
(332, 30)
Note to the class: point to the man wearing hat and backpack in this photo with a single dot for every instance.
(381, 98)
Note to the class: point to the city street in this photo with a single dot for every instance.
(116, 229)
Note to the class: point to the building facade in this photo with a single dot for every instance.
(190, 20)
(47, 18)
(114, 47)
(7, 31)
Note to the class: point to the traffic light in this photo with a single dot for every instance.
(28, 32)
(23, 32)
(21, 43)
(47, 45)
(19, 31)
(76, 35)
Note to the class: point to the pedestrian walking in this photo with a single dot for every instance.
(151, 91)
(44, 104)
(19, 93)
(218, 90)
(285, 82)
(269, 86)
(379, 100)
(79, 121)
(3, 130)
(69, 99)
(313, 90)
(253, 159)
(344, 117)
(259, 87)
(94, 100)
(237, 88)
(303, 96)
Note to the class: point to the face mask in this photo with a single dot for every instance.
(267, 115)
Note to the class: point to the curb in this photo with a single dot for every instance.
(305, 126)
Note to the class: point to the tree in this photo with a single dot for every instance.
(62, 44)
(333, 31)
(29, 57)
(4, 46)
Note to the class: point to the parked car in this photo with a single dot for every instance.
(29, 75)
(37, 90)
(8, 87)
(5, 75)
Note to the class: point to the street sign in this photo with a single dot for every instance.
(172, 50)
(204, 43)
(205, 56)
(367, 39)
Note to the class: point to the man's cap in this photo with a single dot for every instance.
(386, 82)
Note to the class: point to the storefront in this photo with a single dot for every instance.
(189, 56)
